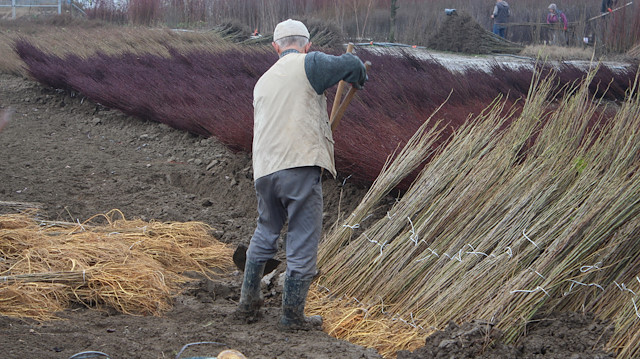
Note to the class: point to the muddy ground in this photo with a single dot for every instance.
(73, 159)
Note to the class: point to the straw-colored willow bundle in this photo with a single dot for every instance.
(350, 320)
(519, 215)
(133, 266)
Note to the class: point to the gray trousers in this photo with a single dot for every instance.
(294, 194)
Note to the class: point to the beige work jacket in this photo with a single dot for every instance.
(291, 124)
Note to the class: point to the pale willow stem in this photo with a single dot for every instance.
(521, 213)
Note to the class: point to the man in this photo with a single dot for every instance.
(559, 19)
(292, 143)
(500, 16)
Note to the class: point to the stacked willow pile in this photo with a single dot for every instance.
(132, 266)
(462, 33)
(635, 52)
(322, 34)
(514, 217)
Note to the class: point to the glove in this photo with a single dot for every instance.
(360, 84)
(565, 28)
(363, 78)
(609, 10)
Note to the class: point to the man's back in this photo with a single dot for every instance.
(291, 124)
(502, 12)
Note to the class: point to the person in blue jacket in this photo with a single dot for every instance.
(500, 16)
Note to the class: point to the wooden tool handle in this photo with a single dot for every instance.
(340, 90)
(335, 120)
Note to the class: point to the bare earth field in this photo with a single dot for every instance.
(73, 159)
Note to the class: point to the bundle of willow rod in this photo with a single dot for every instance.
(133, 266)
(508, 222)
(347, 319)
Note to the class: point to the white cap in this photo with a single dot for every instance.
(553, 6)
(290, 28)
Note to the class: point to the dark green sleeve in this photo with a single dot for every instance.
(324, 71)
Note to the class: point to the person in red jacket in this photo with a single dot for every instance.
(607, 6)
(559, 19)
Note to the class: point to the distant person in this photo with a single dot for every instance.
(500, 16)
(559, 20)
(607, 6)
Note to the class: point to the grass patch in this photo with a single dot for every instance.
(86, 38)
(559, 53)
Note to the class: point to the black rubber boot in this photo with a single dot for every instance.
(250, 295)
(294, 297)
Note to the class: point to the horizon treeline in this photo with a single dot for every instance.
(369, 20)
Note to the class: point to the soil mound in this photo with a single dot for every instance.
(461, 33)
(562, 335)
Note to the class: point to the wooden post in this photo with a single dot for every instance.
(335, 120)
(340, 90)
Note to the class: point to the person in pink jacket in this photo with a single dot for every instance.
(559, 19)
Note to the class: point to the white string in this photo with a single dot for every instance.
(633, 300)
(390, 217)
(134, 243)
(536, 272)
(509, 252)
(574, 282)
(429, 255)
(80, 224)
(623, 287)
(345, 180)
(84, 278)
(538, 288)
(525, 236)
(355, 226)
(585, 269)
(473, 251)
(458, 256)
(414, 236)
(413, 320)
(376, 242)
